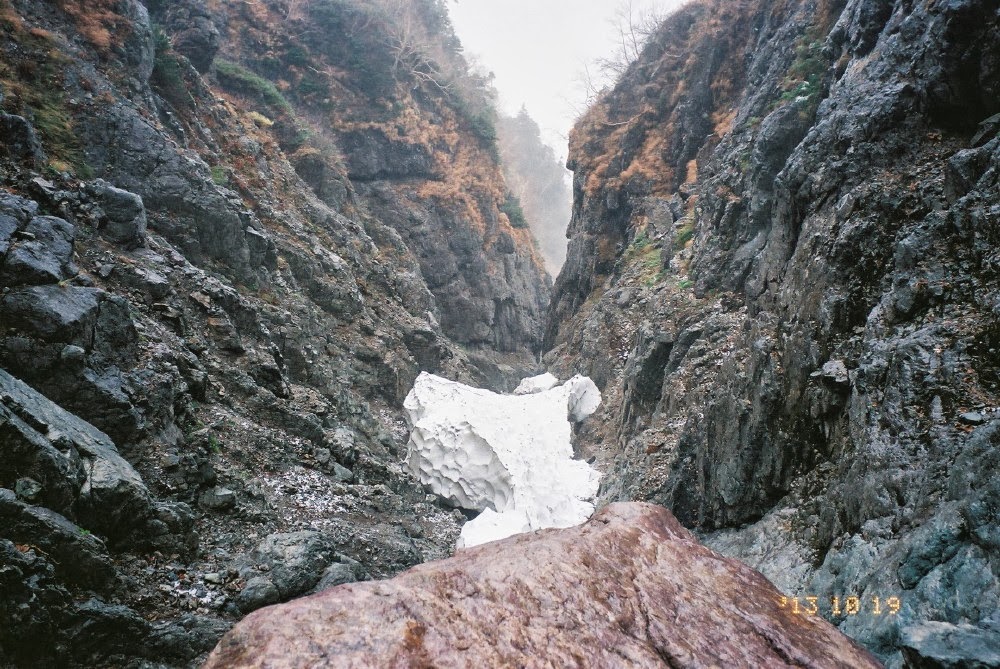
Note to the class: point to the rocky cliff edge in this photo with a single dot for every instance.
(231, 236)
(785, 234)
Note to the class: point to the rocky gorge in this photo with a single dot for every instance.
(233, 234)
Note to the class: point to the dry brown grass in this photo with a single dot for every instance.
(42, 34)
(98, 21)
(257, 11)
(10, 21)
(614, 122)
(722, 120)
(691, 175)
(466, 175)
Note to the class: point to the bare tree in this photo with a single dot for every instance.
(415, 51)
(594, 84)
(295, 10)
(634, 27)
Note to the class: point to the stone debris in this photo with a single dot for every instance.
(833, 371)
(218, 499)
(972, 418)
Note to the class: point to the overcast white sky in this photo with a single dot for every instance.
(538, 49)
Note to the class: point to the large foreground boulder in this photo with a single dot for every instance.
(631, 588)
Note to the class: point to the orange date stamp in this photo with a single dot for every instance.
(851, 605)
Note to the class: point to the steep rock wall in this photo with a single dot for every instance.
(784, 232)
(418, 145)
(196, 259)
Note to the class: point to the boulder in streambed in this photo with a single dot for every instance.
(630, 588)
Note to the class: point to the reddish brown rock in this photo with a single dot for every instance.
(631, 588)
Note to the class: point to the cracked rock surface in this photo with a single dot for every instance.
(629, 588)
(783, 276)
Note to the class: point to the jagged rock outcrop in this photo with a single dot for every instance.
(429, 172)
(784, 232)
(63, 485)
(71, 341)
(297, 563)
(75, 470)
(194, 33)
(631, 588)
(220, 327)
(20, 141)
(124, 218)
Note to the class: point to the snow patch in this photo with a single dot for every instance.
(583, 397)
(508, 456)
(536, 384)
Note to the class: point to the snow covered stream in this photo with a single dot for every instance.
(507, 456)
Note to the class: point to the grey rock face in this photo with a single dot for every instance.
(203, 219)
(373, 156)
(240, 333)
(187, 637)
(936, 644)
(27, 578)
(19, 142)
(78, 466)
(8, 226)
(336, 574)
(37, 253)
(81, 558)
(74, 493)
(28, 490)
(32, 456)
(329, 185)
(100, 628)
(194, 33)
(47, 326)
(55, 313)
(38, 604)
(258, 593)
(804, 364)
(291, 564)
(139, 50)
(296, 560)
(482, 298)
(124, 219)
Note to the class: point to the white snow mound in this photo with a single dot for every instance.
(536, 384)
(508, 456)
